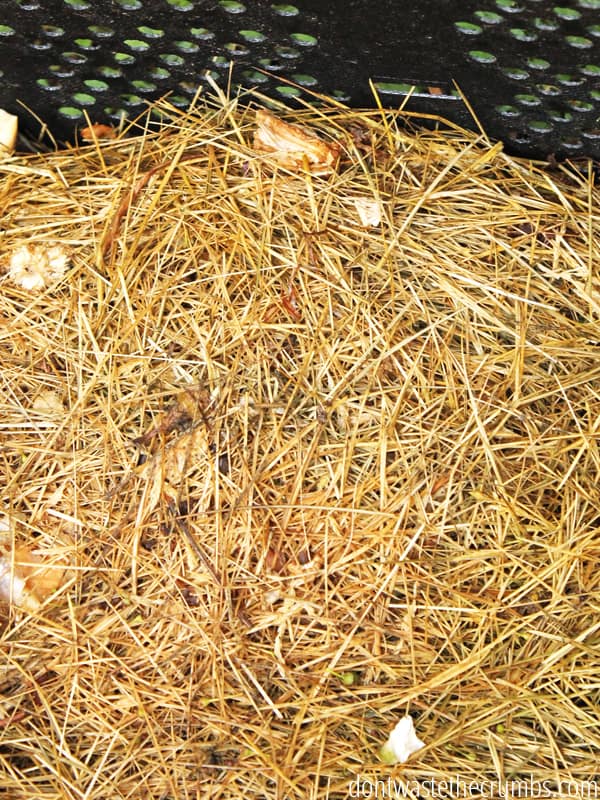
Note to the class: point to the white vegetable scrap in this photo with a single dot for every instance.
(9, 125)
(402, 742)
(369, 211)
(34, 267)
(12, 588)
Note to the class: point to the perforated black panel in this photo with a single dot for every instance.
(530, 68)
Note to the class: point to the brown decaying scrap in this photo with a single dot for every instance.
(293, 146)
(286, 530)
(97, 131)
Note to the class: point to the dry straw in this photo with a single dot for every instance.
(317, 451)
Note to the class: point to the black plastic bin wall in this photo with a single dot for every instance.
(530, 69)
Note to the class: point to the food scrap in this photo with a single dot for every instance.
(26, 580)
(9, 125)
(402, 742)
(97, 131)
(34, 267)
(293, 146)
(369, 211)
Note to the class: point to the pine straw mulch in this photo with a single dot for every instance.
(308, 475)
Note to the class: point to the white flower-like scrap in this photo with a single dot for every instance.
(402, 742)
(33, 267)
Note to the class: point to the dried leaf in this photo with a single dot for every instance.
(165, 471)
(189, 406)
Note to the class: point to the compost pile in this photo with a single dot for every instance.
(293, 446)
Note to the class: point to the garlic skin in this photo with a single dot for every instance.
(402, 742)
(26, 579)
(12, 586)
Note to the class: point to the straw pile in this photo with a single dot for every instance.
(305, 453)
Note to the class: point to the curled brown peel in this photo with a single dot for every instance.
(292, 146)
(129, 199)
